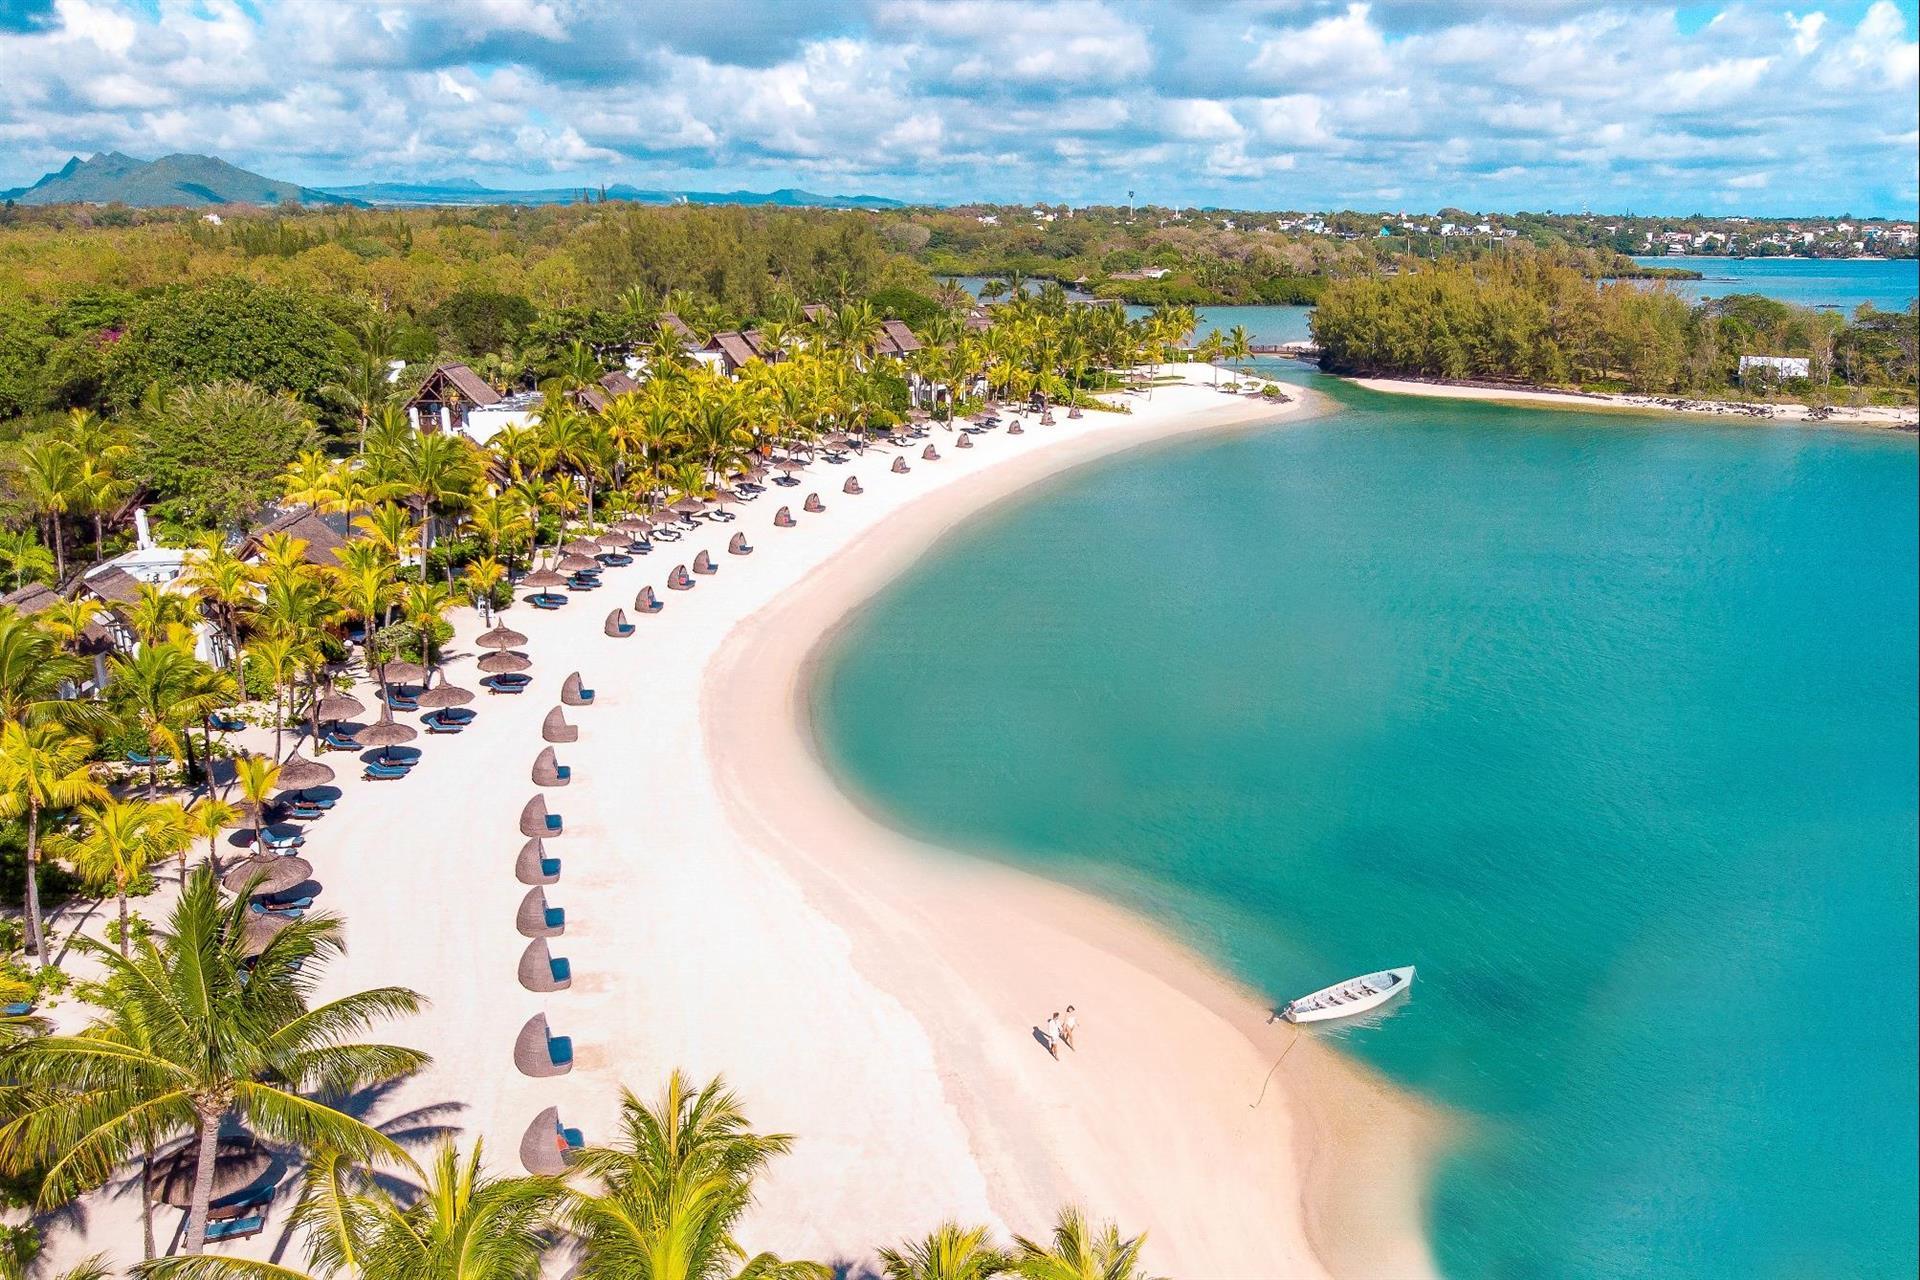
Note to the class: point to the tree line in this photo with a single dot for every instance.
(1526, 318)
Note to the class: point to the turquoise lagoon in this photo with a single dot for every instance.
(1607, 723)
(1888, 283)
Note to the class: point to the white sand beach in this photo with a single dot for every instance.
(729, 910)
(1838, 415)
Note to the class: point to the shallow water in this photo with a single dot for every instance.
(1607, 724)
(1845, 283)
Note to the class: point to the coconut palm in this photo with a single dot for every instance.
(227, 587)
(257, 776)
(158, 692)
(193, 1035)
(1078, 1250)
(43, 768)
(48, 472)
(205, 819)
(37, 676)
(156, 614)
(25, 557)
(672, 1187)
(949, 1252)
(118, 841)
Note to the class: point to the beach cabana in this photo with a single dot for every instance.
(737, 545)
(548, 771)
(1015, 429)
(538, 1052)
(964, 442)
(783, 519)
(535, 865)
(536, 821)
(501, 637)
(813, 505)
(703, 563)
(617, 625)
(504, 662)
(852, 486)
(541, 970)
(548, 1146)
(556, 729)
(644, 601)
(930, 454)
(537, 918)
(900, 467)
(573, 693)
(678, 579)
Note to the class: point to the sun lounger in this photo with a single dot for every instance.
(239, 1204)
(813, 506)
(546, 600)
(581, 582)
(16, 1009)
(783, 519)
(236, 1228)
(508, 682)
(315, 801)
(402, 701)
(703, 563)
(439, 722)
(337, 741)
(158, 760)
(226, 724)
(300, 903)
(614, 559)
(852, 486)
(900, 467)
(737, 545)
(292, 913)
(573, 693)
(377, 772)
(639, 547)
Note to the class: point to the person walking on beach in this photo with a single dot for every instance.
(1068, 1025)
(1052, 1032)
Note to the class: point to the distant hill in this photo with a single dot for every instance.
(465, 191)
(111, 178)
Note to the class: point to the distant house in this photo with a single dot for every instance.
(1144, 273)
(896, 339)
(1770, 369)
(449, 394)
(730, 350)
(610, 385)
(320, 533)
(817, 312)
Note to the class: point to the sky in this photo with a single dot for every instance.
(1755, 108)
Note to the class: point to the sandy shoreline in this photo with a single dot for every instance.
(1839, 416)
(729, 910)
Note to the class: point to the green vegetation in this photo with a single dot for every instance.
(1524, 319)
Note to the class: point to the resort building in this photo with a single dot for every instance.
(448, 397)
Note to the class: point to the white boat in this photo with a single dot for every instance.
(1355, 995)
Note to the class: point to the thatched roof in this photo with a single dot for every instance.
(463, 382)
(115, 586)
(319, 533)
(618, 383)
(817, 311)
(733, 348)
(31, 599)
(901, 336)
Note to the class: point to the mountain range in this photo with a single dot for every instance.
(113, 178)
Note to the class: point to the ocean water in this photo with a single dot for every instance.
(1888, 283)
(1607, 724)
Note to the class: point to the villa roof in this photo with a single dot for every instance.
(593, 398)
(470, 385)
(115, 586)
(33, 598)
(734, 347)
(758, 341)
(902, 337)
(978, 319)
(817, 311)
(305, 524)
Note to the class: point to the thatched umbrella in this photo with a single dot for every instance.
(261, 928)
(399, 672)
(445, 695)
(689, 506)
(581, 547)
(501, 637)
(504, 661)
(633, 524)
(609, 541)
(543, 578)
(277, 874)
(384, 733)
(723, 495)
(238, 1163)
(300, 772)
(338, 706)
(574, 563)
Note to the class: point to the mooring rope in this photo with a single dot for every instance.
(1275, 1067)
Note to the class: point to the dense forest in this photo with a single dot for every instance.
(1529, 319)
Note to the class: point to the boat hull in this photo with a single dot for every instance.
(1320, 1007)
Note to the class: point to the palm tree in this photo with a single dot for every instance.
(192, 1035)
(257, 777)
(434, 471)
(226, 585)
(674, 1184)
(43, 767)
(205, 819)
(24, 556)
(119, 840)
(49, 476)
(1079, 1251)
(950, 1252)
(1239, 344)
(477, 584)
(159, 691)
(36, 674)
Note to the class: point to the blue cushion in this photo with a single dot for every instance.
(556, 917)
(549, 866)
(560, 1050)
(573, 1138)
(562, 970)
(563, 771)
(553, 822)
(252, 1224)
